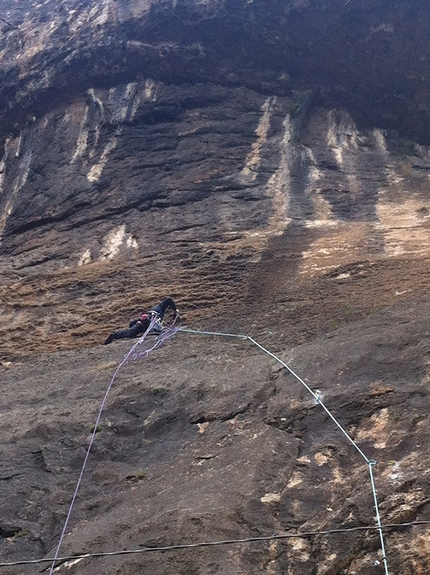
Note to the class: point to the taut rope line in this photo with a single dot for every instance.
(167, 334)
(369, 462)
(316, 396)
(264, 538)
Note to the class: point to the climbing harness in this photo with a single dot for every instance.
(158, 322)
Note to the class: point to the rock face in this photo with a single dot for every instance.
(98, 198)
(267, 165)
(208, 440)
(178, 144)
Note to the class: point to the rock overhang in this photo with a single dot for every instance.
(369, 57)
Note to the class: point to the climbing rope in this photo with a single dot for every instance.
(130, 354)
(166, 334)
(262, 538)
(378, 517)
(237, 335)
(370, 462)
(168, 331)
(316, 396)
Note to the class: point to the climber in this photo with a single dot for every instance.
(139, 326)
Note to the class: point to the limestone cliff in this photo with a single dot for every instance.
(267, 164)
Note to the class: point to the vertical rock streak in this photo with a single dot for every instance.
(279, 185)
(253, 158)
(96, 170)
(3, 165)
(82, 141)
(20, 182)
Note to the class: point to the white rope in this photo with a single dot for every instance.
(378, 517)
(314, 395)
(239, 336)
(370, 462)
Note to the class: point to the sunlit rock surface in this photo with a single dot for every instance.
(267, 164)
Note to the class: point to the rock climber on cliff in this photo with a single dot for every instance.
(139, 326)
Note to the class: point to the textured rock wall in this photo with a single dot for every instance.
(145, 187)
(168, 146)
(258, 162)
(368, 56)
(208, 439)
